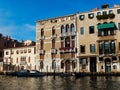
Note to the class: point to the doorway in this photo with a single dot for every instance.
(67, 66)
(107, 65)
(93, 64)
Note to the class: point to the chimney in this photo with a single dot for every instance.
(104, 6)
(116, 6)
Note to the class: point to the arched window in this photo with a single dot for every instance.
(67, 28)
(62, 29)
(42, 44)
(53, 43)
(42, 32)
(67, 42)
(72, 28)
(53, 30)
(41, 65)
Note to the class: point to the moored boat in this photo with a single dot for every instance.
(31, 73)
(22, 73)
(35, 73)
(78, 75)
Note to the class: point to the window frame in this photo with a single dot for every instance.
(91, 29)
(92, 48)
(81, 30)
(82, 49)
(118, 11)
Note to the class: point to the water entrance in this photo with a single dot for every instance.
(93, 64)
(107, 65)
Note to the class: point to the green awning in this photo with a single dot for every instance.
(106, 25)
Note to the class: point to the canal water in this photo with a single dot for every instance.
(67, 83)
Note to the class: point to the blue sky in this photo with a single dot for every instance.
(18, 17)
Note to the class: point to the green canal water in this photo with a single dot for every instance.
(66, 83)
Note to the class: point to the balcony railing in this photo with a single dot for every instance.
(53, 50)
(23, 62)
(53, 36)
(67, 49)
(68, 34)
(42, 51)
(42, 37)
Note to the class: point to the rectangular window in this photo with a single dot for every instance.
(82, 48)
(91, 29)
(100, 47)
(104, 12)
(112, 32)
(118, 11)
(29, 50)
(106, 47)
(82, 30)
(92, 48)
(99, 32)
(105, 32)
(119, 26)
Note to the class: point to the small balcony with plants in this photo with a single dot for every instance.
(105, 16)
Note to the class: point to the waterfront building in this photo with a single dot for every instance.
(81, 42)
(6, 42)
(99, 40)
(19, 58)
(56, 44)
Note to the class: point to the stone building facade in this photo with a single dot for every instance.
(87, 41)
(6, 42)
(19, 58)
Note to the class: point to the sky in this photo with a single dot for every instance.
(18, 17)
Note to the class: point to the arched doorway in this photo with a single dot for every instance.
(22, 67)
(67, 66)
(107, 65)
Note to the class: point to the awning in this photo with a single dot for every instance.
(105, 25)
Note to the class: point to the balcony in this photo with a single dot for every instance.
(53, 36)
(42, 51)
(106, 16)
(42, 37)
(68, 49)
(23, 62)
(68, 34)
(53, 50)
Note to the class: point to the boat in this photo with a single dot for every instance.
(35, 73)
(22, 73)
(64, 75)
(78, 75)
(31, 73)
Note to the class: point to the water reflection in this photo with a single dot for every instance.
(69, 83)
